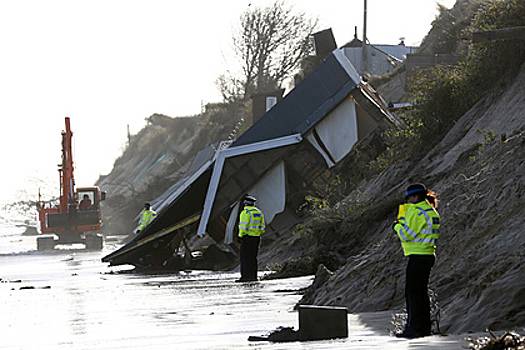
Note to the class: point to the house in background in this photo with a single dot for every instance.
(312, 129)
(380, 59)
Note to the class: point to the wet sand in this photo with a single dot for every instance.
(78, 304)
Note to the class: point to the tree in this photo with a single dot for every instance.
(270, 45)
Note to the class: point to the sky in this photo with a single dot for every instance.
(112, 63)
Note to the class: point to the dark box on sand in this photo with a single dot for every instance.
(322, 322)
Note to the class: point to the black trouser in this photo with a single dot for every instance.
(249, 251)
(416, 293)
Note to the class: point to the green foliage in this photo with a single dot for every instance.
(489, 136)
(446, 35)
(441, 96)
(496, 60)
(316, 202)
(448, 27)
(401, 142)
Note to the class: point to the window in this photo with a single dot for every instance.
(86, 200)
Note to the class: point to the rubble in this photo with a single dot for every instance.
(280, 335)
(302, 266)
(215, 258)
(508, 341)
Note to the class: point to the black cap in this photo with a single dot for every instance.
(147, 205)
(249, 199)
(415, 189)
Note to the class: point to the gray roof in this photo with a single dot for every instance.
(305, 105)
(398, 51)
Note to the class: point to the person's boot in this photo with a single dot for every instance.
(408, 334)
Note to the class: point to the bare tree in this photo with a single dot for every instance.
(270, 45)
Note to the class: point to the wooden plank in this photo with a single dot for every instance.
(511, 33)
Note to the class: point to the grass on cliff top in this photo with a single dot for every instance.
(443, 94)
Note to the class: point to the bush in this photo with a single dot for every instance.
(443, 94)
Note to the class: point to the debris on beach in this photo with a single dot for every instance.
(508, 341)
(281, 334)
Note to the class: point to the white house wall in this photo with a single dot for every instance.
(398, 51)
(338, 132)
(378, 62)
(270, 192)
(230, 225)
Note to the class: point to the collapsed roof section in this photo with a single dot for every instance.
(308, 102)
(313, 128)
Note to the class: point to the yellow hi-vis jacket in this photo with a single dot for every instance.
(146, 217)
(418, 229)
(251, 222)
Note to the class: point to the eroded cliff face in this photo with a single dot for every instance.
(478, 170)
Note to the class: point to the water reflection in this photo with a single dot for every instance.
(76, 308)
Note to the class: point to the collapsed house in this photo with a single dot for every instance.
(313, 128)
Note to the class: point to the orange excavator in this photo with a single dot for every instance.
(76, 218)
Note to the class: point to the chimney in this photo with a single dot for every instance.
(263, 102)
(324, 43)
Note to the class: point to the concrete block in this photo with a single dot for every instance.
(322, 322)
(46, 242)
(94, 241)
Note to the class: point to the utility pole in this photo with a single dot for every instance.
(365, 48)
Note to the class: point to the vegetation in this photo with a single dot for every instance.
(508, 341)
(270, 45)
(443, 94)
(447, 33)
